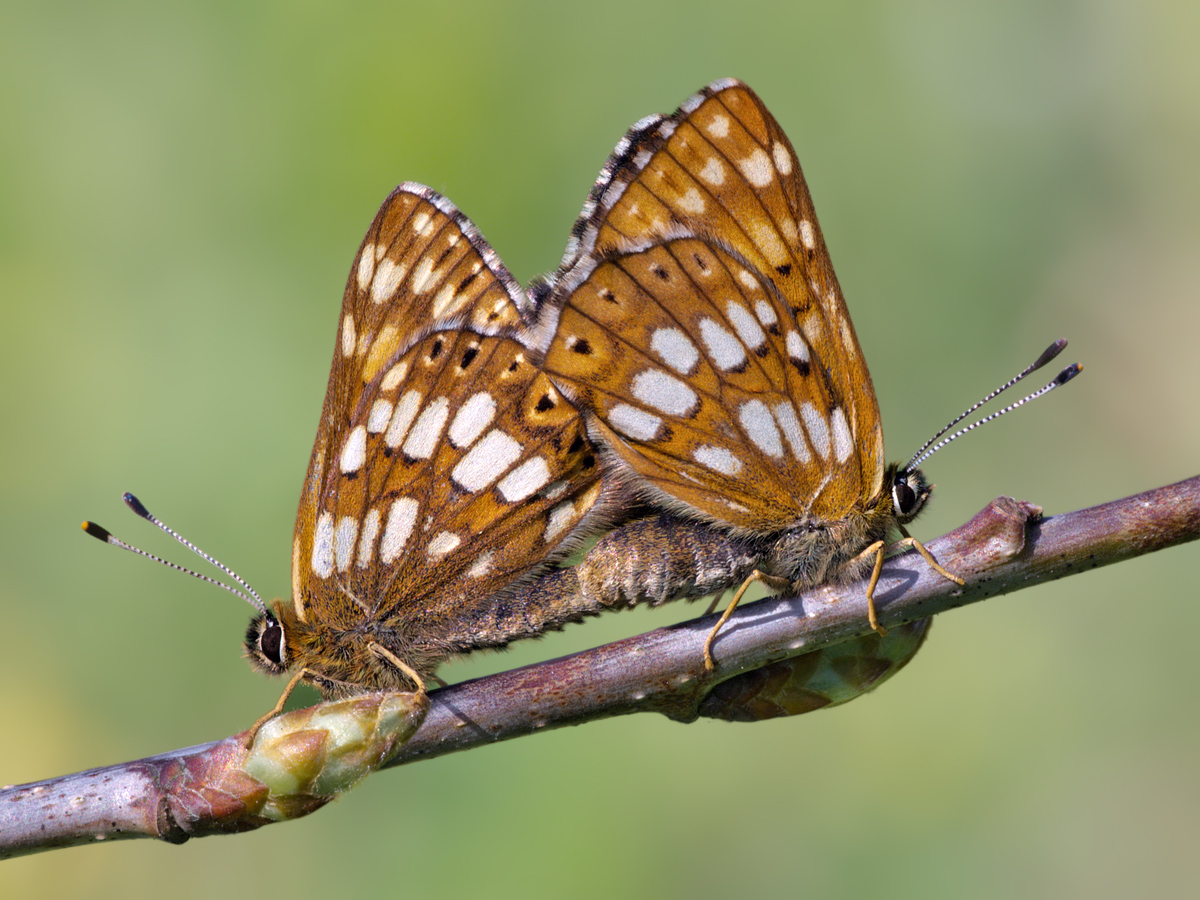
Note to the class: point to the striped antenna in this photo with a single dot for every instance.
(929, 447)
(102, 534)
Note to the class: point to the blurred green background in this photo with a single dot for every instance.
(182, 190)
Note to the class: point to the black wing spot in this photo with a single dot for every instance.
(436, 350)
(785, 269)
(582, 347)
(588, 461)
(468, 357)
(545, 403)
(576, 445)
(663, 274)
(516, 364)
(801, 365)
(762, 350)
(462, 285)
(700, 262)
(608, 296)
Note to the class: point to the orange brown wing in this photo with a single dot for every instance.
(445, 463)
(721, 174)
(706, 387)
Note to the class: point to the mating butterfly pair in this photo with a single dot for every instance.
(692, 354)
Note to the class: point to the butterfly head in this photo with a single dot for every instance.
(338, 662)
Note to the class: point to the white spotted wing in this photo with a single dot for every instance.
(697, 314)
(445, 465)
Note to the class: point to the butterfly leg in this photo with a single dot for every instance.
(910, 541)
(384, 653)
(878, 548)
(283, 699)
(772, 581)
(712, 607)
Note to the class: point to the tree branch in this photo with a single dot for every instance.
(302, 759)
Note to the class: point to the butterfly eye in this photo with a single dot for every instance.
(265, 643)
(909, 493)
(904, 497)
(270, 641)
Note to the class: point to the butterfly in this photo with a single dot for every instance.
(697, 321)
(446, 467)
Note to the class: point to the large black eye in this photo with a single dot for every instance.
(266, 646)
(904, 497)
(270, 640)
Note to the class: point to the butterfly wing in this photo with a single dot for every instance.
(445, 464)
(706, 387)
(713, 199)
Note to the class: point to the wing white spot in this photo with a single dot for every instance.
(444, 301)
(388, 276)
(760, 426)
(691, 202)
(766, 313)
(442, 543)
(633, 422)
(366, 544)
(847, 335)
(322, 551)
(482, 565)
(343, 542)
(749, 282)
(745, 325)
(843, 444)
(726, 351)
(348, 335)
(427, 431)
(401, 518)
(817, 428)
(807, 234)
(556, 490)
(664, 392)
(526, 479)
(796, 347)
(354, 451)
(394, 376)
(813, 329)
(719, 459)
(718, 126)
(366, 266)
(424, 276)
(484, 462)
(380, 415)
(713, 172)
(472, 417)
(676, 349)
(420, 223)
(560, 517)
(783, 159)
(785, 415)
(757, 168)
(406, 411)
(763, 233)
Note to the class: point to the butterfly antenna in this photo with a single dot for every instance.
(929, 448)
(102, 534)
